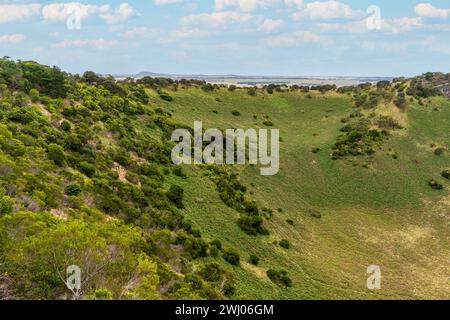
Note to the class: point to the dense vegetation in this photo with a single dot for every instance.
(86, 179)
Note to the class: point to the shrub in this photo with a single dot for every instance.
(6, 204)
(252, 225)
(279, 277)
(235, 113)
(254, 260)
(178, 171)
(211, 272)
(102, 294)
(268, 123)
(290, 222)
(65, 126)
(284, 244)
(435, 185)
(165, 96)
(56, 153)
(446, 174)
(217, 244)
(315, 150)
(439, 151)
(175, 195)
(87, 168)
(73, 190)
(231, 256)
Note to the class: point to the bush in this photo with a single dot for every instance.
(165, 96)
(102, 294)
(446, 174)
(87, 168)
(252, 225)
(439, 151)
(178, 171)
(231, 256)
(73, 190)
(435, 185)
(6, 204)
(211, 272)
(279, 277)
(235, 113)
(56, 153)
(65, 126)
(284, 244)
(268, 123)
(217, 244)
(175, 195)
(254, 260)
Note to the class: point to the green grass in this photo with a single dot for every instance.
(375, 210)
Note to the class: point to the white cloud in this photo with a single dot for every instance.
(397, 25)
(400, 25)
(91, 43)
(244, 5)
(427, 10)
(294, 3)
(270, 25)
(328, 10)
(220, 19)
(62, 11)
(11, 38)
(14, 12)
(163, 2)
(292, 40)
(120, 15)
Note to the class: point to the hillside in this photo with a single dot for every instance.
(86, 179)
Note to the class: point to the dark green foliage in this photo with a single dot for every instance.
(179, 172)
(279, 277)
(73, 190)
(236, 113)
(6, 204)
(56, 153)
(268, 123)
(358, 139)
(233, 194)
(175, 195)
(285, 244)
(65, 126)
(252, 91)
(290, 222)
(446, 174)
(400, 101)
(231, 256)
(216, 243)
(439, 151)
(435, 185)
(165, 96)
(212, 272)
(254, 260)
(87, 168)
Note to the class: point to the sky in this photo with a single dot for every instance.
(244, 37)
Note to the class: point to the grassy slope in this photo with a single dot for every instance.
(384, 214)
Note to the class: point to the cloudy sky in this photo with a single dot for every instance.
(258, 37)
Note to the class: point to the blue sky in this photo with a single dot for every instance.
(257, 37)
